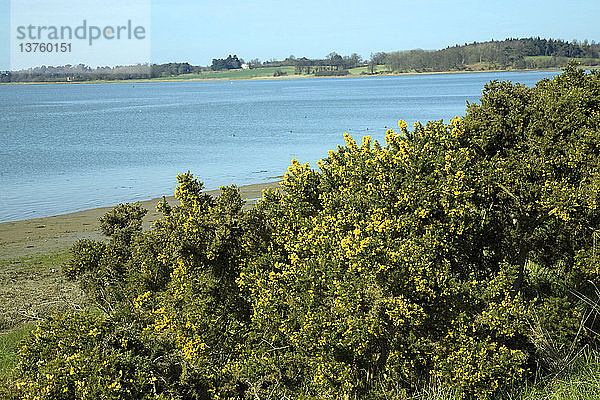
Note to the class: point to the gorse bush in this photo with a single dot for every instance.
(102, 267)
(463, 254)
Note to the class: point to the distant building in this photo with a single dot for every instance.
(245, 66)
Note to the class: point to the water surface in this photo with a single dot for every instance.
(65, 148)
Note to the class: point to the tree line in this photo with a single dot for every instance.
(506, 54)
(509, 53)
(83, 73)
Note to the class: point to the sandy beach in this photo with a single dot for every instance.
(32, 253)
(50, 234)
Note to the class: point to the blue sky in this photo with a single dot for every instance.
(197, 31)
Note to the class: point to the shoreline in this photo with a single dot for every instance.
(38, 236)
(288, 77)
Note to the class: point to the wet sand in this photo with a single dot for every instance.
(51, 234)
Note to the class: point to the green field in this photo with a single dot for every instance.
(266, 72)
(549, 59)
(365, 70)
(234, 74)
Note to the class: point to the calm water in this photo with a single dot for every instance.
(65, 148)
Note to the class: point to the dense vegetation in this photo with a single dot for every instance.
(506, 54)
(174, 69)
(231, 62)
(509, 53)
(461, 255)
(76, 73)
(83, 73)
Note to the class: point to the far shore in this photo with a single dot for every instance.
(57, 233)
(284, 77)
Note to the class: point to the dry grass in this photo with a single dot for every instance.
(32, 287)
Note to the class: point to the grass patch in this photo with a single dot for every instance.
(365, 70)
(565, 60)
(580, 381)
(538, 58)
(9, 346)
(32, 287)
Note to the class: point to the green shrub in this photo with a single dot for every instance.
(102, 267)
(341, 72)
(124, 219)
(462, 254)
(83, 356)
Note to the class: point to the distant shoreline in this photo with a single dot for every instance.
(287, 77)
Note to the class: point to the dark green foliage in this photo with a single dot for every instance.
(231, 62)
(123, 221)
(102, 267)
(87, 356)
(173, 69)
(509, 53)
(342, 72)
